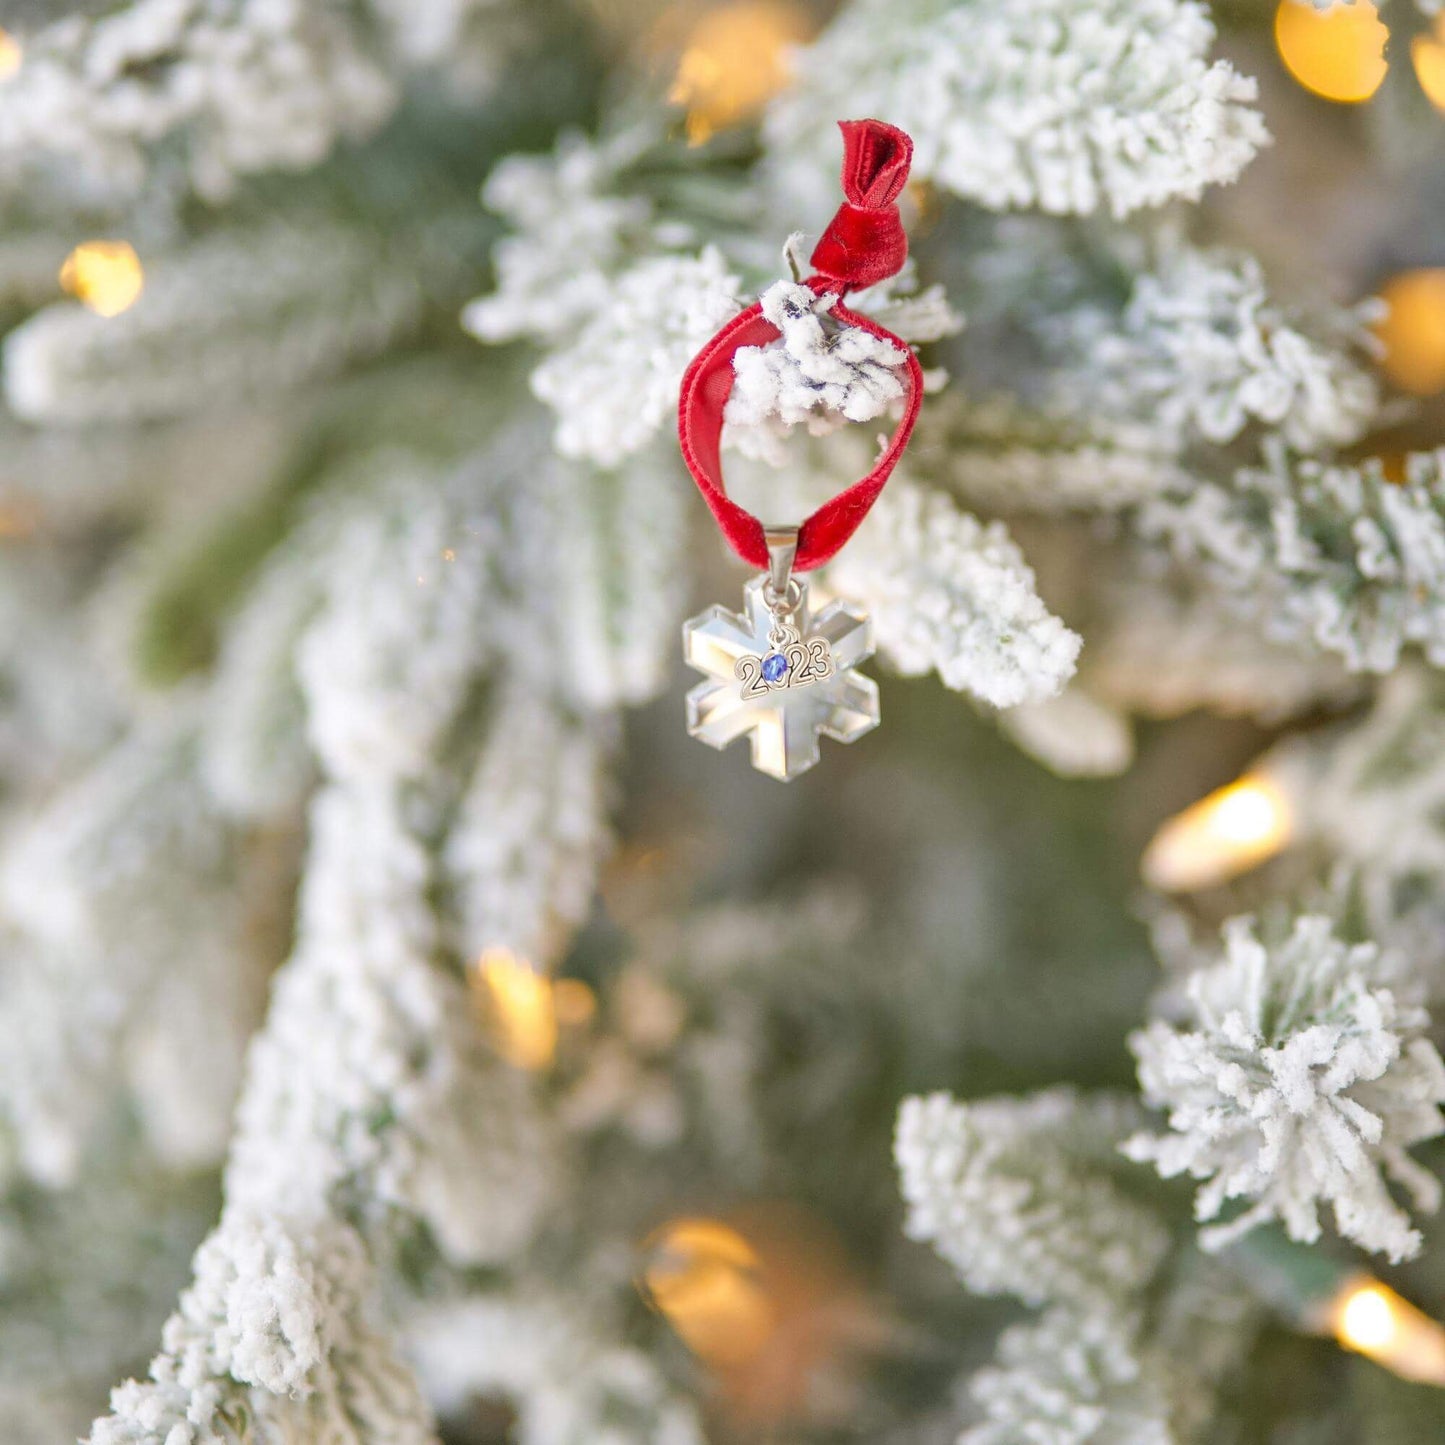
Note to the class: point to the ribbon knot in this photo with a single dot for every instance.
(865, 241)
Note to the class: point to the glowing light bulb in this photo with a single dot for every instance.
(735, 60)
(766, 1300)
(105, 276)
(1427, 54)
(1370, 1318)
(1413, 332)
(706, 1279)
(1367, 1320)
(518, 1008)
(1231, 831)
(1337, 53)
(10, 55)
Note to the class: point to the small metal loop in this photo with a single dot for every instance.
(781, 633)
(786, 602)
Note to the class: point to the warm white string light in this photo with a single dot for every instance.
(104, 276)
(1338, 53)
(1371, 1319)
(1234, 829)
(11, 55)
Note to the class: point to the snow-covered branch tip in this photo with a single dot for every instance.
(239, 86)
(244, 314)
(1344, 557)
(118, 92)
(618, 543)
(616, 384)
(1071, 106)
(523, 854)
(130, 868)
(1075, 1378)
(1202, 350)
(1299, 1077)
(1017, 1195)
(951, 594)
(819, 372)
(1010, 458)
(274, 1337)
(619, 296)
(573, 227)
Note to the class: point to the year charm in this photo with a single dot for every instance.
(793, 662)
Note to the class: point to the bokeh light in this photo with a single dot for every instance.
(1367, 1319)
(766, 1299)
(10, 54)
(105, 276)
(1337, 53)
(1427, 54)
(706, 1279)
(1412, 334)
(1234, 829)
(1370, 1318)
(518, 1008)
(734, 61)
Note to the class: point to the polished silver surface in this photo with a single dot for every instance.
(782, 545)
(818, 693)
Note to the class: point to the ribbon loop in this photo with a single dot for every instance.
(864, 244)
(876, 158)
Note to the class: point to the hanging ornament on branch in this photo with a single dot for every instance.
(776, 673)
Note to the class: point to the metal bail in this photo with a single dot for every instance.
(782, 545)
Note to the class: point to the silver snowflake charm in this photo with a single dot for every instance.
(781, 676)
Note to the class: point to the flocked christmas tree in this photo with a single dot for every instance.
(408, 1035)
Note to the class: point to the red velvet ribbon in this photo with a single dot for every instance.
(864, 244)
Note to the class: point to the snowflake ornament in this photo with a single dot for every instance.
(783, 691)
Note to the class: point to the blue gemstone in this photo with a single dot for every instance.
(774, 666)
